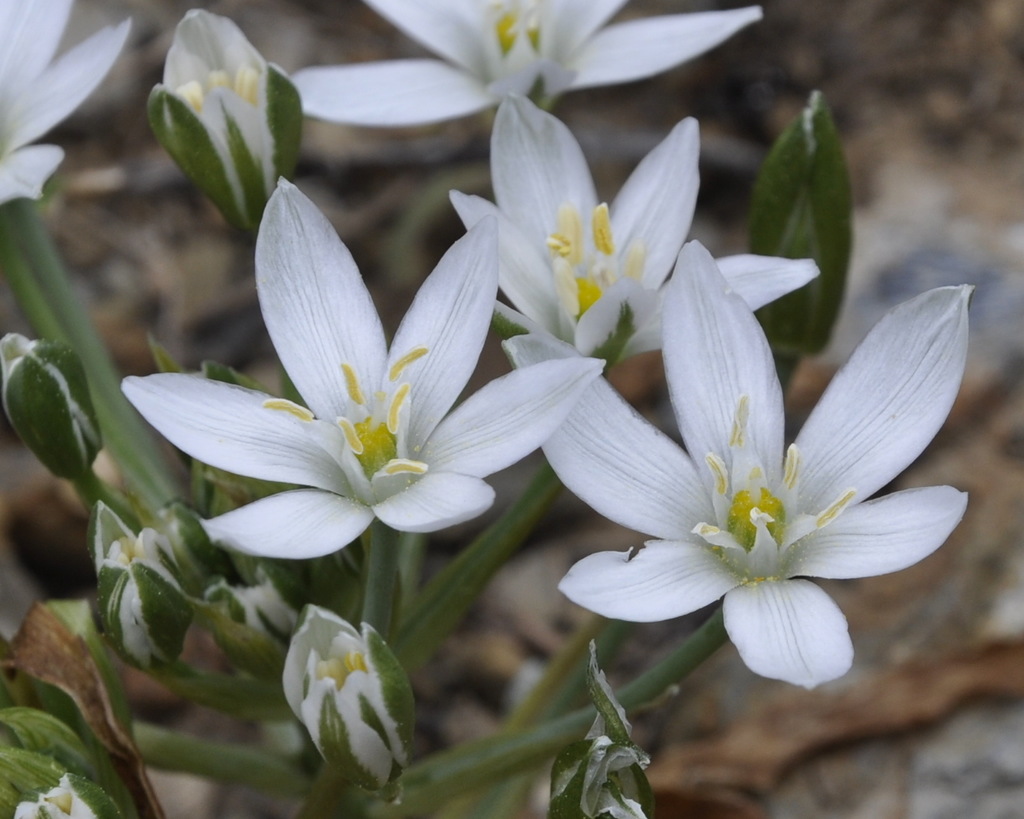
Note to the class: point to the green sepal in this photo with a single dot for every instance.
(185, 138)
(94, 797)
(395, 687)
(284, 119)
(43, 733)
(165, 362)
(215, 371)
(21, 773)
(46, 396)
(613, 347)
(569, 784)
(612, 717)
(248, 648)
(505, 328)
(801, 208)
(197, 558)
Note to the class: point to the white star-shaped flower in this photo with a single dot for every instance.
(377, 436)
(588, 272)
(37, 92)
(490, 48)
(742, 517)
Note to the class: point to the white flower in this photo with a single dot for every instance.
(37, 92)
(744, 519)
(377, 438)
(586, 272)
(494, 47)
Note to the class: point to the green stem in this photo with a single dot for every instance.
(381, 573)
(92, 489)
(442, 603)
(332, 796)
(37, 278)
(244, 765)
(239, 697)
(475, 764)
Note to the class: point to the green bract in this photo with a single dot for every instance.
(352, 695)
(145, 612)
(46, 396)
(231, 120)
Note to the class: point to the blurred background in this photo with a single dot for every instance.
(928, 96)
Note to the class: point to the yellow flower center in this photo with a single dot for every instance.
(377, 445)
(515, 21)
(338, 668)
(588, 292)
(64, 802)
(245, 84)
(739, 522)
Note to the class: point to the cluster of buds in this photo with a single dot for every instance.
(74, 797)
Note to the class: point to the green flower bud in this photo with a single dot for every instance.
(602, 776)
(46, 396)
(145, 612)
(74, 797)
(352, 695)
(231, 120)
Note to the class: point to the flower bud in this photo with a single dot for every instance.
(352, 695)
(46, 396)
(74, 797)
(142, 605)
(231, 120)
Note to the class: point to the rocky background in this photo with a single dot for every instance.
(929, 98)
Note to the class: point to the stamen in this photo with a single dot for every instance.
(400, 465)
(63, 801)
(247, 84)
(570, 234)
(407, 359)
(791, 469)
(352, 385)
(284, 405)
(192, 93)
(835, 509)
(720, 471)
(705, 530)
(351, 436)
(602, 227)
(506, 31)
(636, 257)
(338, 668)
(396, 405)
(218, 79)
(739, 422)
(566, 287)
(755, 474)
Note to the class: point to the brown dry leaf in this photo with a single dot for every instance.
(705, 803)
(46, 650)
(754, 753)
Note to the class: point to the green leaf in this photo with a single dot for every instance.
(21, 773)
(801, 207)
(39, 731)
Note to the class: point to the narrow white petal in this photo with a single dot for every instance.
(616, 461)
(24, 171)
(449, 317)
(394, 93)
(62, 87)
(316, 307)
(536, 166)
(509, 417)
(228, 427)
(656, 204)
(761, 279)
(205, 42)
(715, 352)
(789, 630)
(624, 299)
(449, 28)
(880, 536)
(640, 48)
(524, 272)
(295, 525)
(568, 24)
(435, 501)
(665, 579)
(32, 32)
(889, 400)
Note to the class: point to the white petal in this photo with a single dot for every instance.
(295, 525)
(617, 462)
(435, 501)
(509, 417)
(536, 166)
(449, 28)
(24, 172)
(715, 352)
(602, 319)
(761, 279)
(316, 307)
(567, 24)
(205, 42)
(62, 87)
(880, 536)
(31, 33)
(789, 630)
(395, 93)
(641, 48)
(524, 272)
(228, 427)
(665, 579)
(888, 401)
(656, 204)
(450, 317)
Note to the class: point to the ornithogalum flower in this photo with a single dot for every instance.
(37, 92)
(490, 48)
(231, 120)
(375, 436)
(588, 272)
(745, 519)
